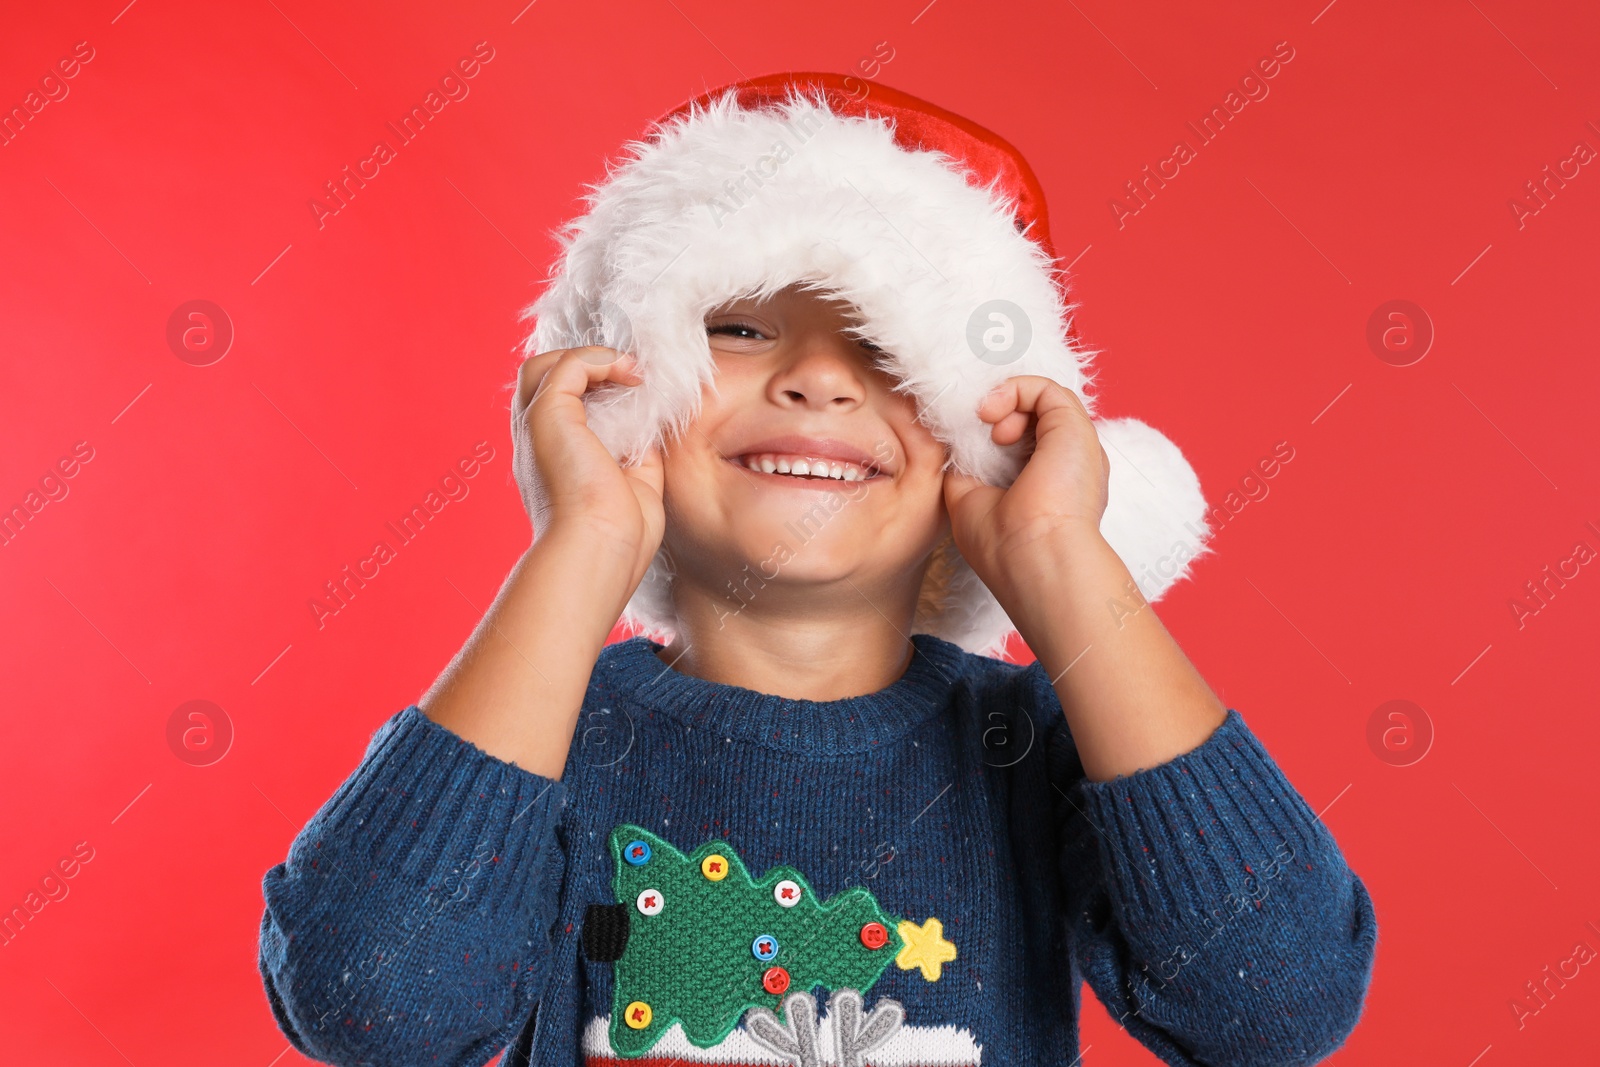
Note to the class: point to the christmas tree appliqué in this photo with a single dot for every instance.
(697, 940)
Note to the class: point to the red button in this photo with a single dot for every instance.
(874, 936)
(776, 980)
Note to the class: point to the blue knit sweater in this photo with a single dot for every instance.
(959, 880)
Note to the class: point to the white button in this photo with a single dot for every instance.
(650, 902)
(786, 893)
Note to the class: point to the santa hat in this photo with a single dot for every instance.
(931, 226)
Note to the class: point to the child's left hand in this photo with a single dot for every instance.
(1061, 492)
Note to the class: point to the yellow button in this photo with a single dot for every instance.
(637, 1015)
(714, 867)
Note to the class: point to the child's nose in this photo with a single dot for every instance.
(824, 372)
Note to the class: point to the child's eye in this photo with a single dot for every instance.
(746, 332)
(734, 329)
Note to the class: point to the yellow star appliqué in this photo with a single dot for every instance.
(925, 947)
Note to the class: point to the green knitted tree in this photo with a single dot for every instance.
(698, 941)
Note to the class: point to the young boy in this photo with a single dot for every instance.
(808, 829)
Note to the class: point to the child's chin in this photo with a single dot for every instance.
(780, 533)
(759, 526)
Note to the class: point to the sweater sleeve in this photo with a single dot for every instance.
(1209, 909)
(411, 922)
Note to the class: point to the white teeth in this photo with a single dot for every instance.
(802, 467)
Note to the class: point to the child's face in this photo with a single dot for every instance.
(786, 369)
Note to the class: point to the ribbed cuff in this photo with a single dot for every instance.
(1219, 821)
(425, 803)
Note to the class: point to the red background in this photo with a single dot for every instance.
(370, 356)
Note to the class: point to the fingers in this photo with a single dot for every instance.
(1015, 402)
(1027, 392)
(650, 471)
(957, 486)
(598, 364)
(549, 405)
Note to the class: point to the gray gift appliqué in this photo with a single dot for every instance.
(853, 1035)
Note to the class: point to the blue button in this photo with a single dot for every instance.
(764, 947)
(637, 853)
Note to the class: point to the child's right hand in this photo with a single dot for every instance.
(580, 486)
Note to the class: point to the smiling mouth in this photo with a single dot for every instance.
(805, 470)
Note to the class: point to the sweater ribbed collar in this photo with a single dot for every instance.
(631, 669)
